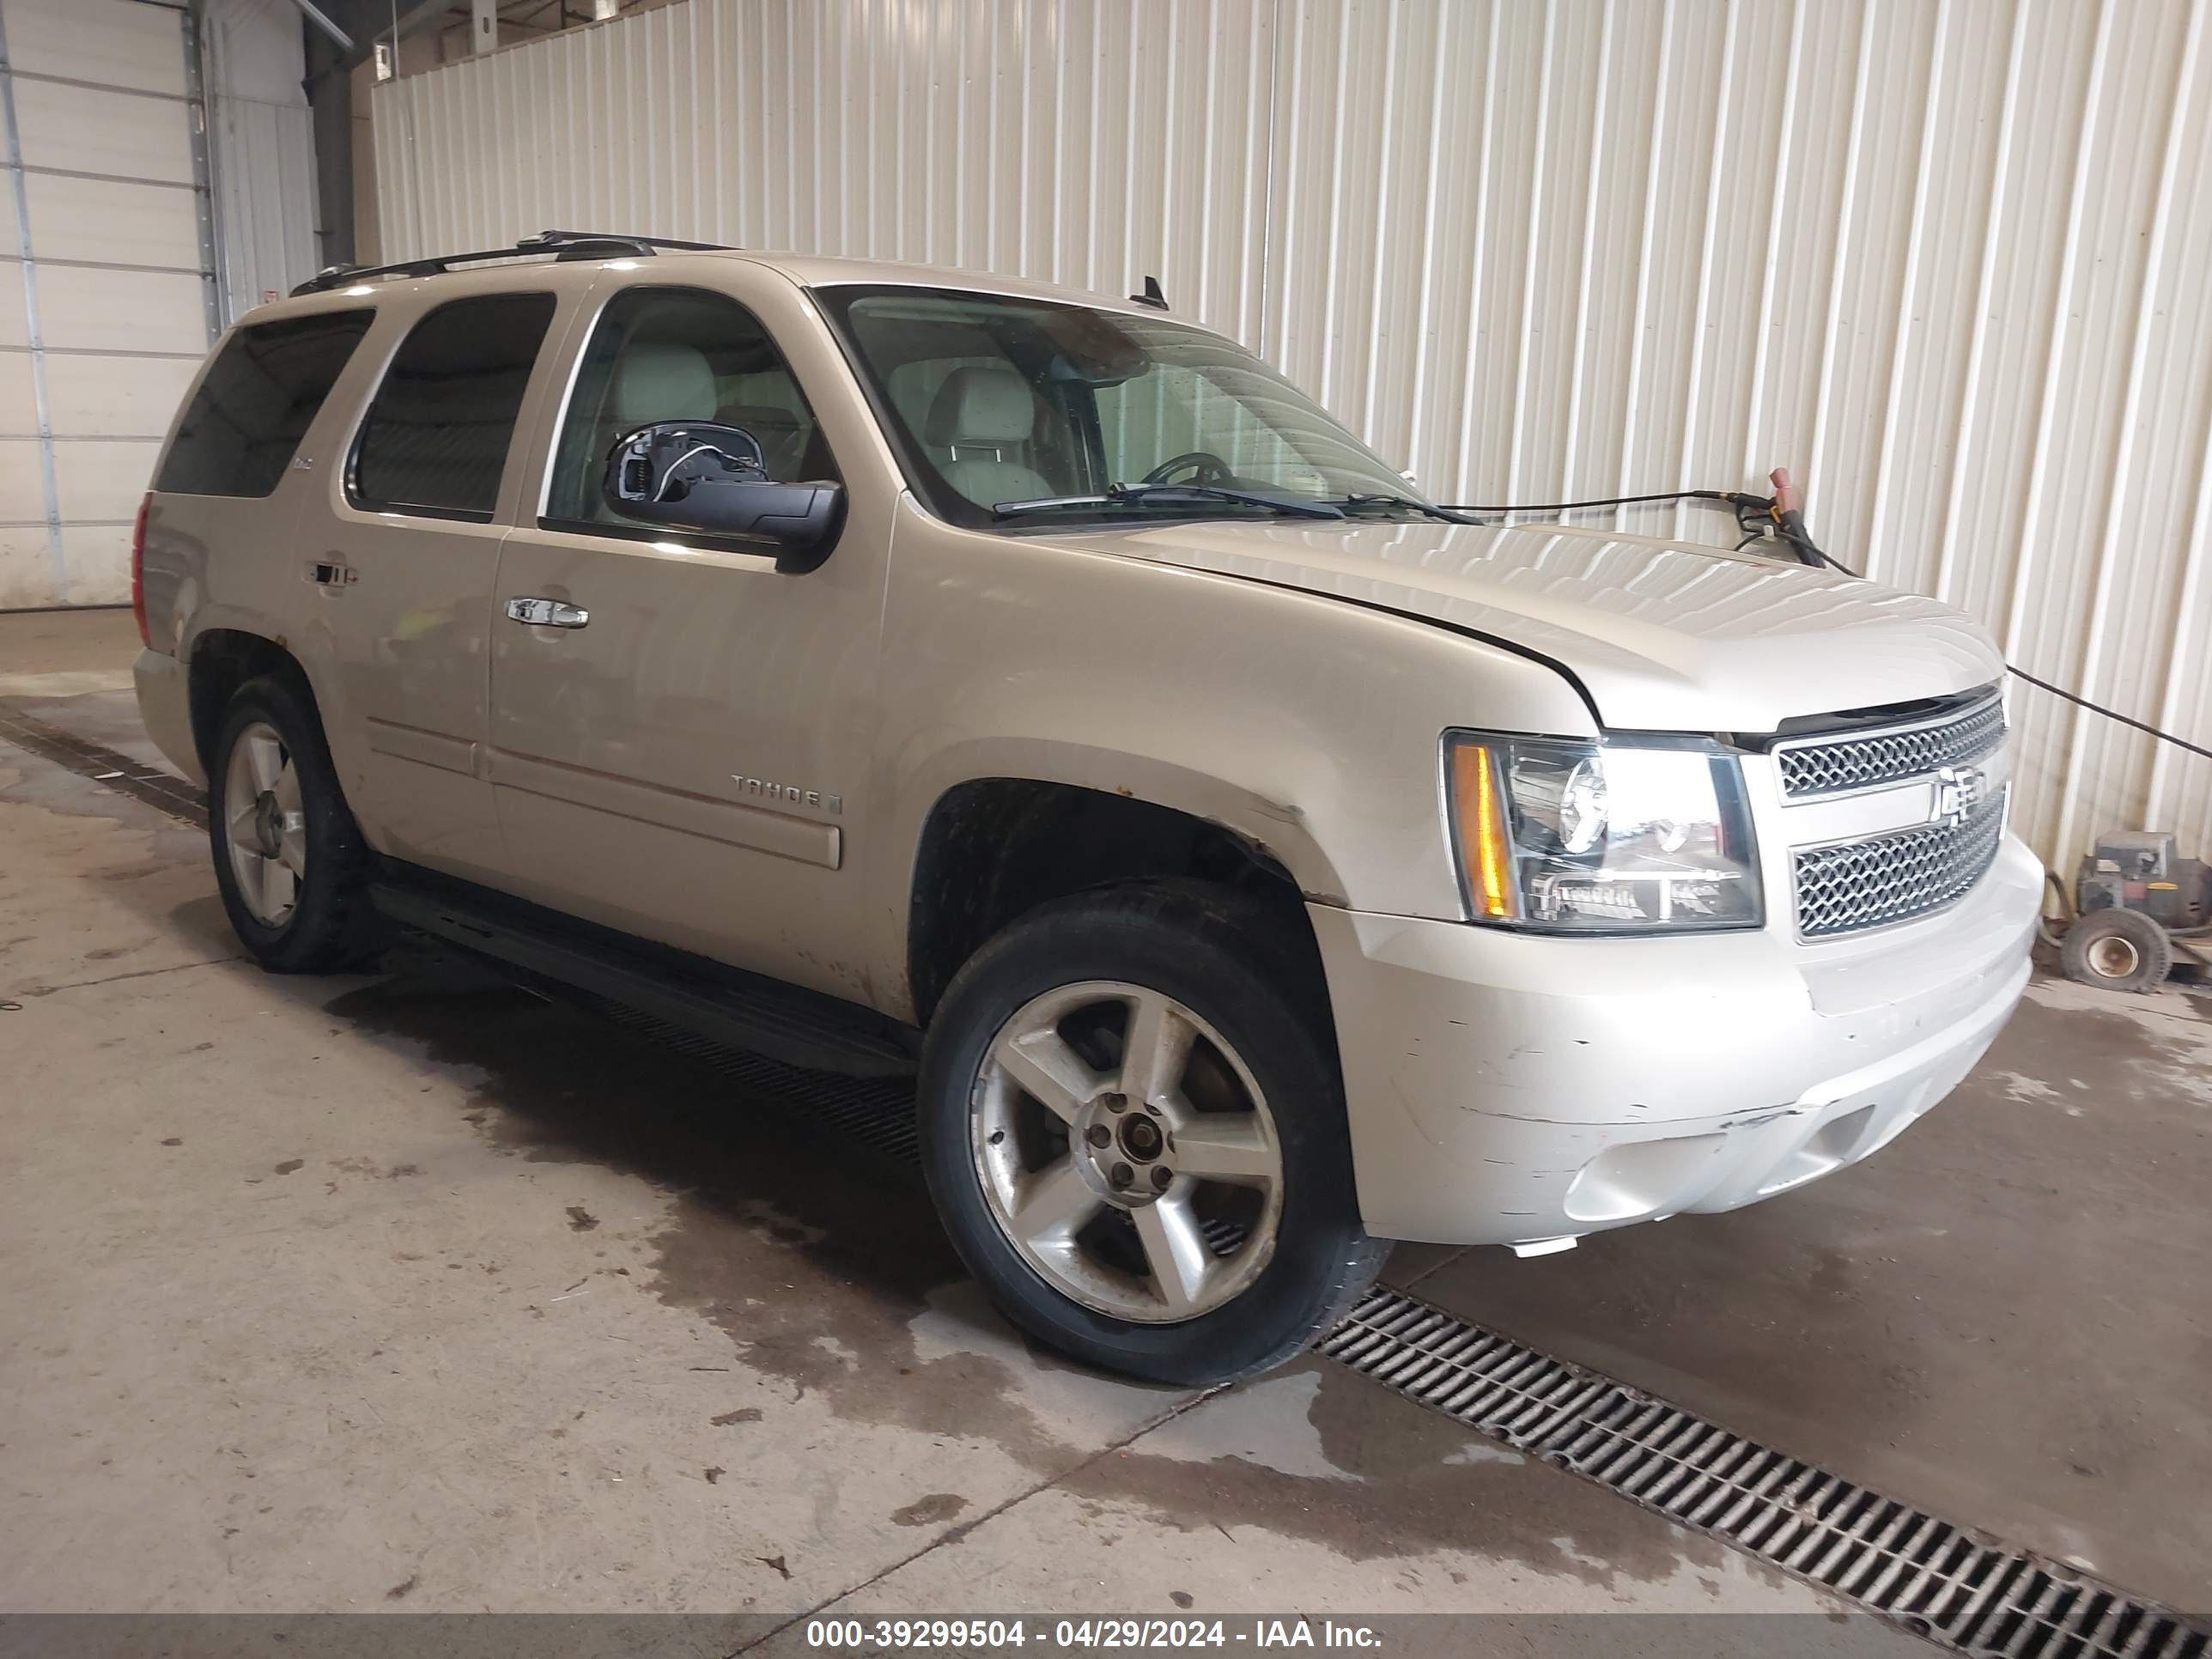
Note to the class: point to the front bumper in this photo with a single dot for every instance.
(1516, 1089)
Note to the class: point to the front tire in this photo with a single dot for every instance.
(1134, 1128)
(290, 859)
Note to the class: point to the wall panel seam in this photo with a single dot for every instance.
(2115, 506)
(2061, 320)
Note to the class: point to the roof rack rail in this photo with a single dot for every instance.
(561, 243)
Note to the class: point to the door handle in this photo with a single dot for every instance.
(547, 613)
(331, 572)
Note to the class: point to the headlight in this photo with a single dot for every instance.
(1602, 837)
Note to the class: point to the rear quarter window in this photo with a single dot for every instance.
(436, 438)
(256, 402)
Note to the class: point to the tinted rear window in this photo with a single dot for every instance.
(256, 403)
(436, 437)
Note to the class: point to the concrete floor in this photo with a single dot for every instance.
(415, 1293)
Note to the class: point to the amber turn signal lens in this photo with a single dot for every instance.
(1481, 815)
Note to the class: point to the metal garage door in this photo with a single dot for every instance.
(106, 311)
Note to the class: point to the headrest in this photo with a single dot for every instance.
(982, 405)
(663, 383)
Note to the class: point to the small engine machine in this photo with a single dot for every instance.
(2140, 904)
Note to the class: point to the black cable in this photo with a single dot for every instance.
(2144, 727)
(1615, 501)
(1747, 509)
(2110, 715)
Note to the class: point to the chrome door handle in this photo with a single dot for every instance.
(547, 613)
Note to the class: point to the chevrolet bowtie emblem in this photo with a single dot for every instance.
(1958, 791)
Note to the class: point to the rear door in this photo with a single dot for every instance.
(402, 571)
(674, 761)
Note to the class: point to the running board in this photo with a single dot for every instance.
(786, 1023)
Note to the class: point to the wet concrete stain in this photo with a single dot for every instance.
(815, 1263)
(1831, 1274)
(1401, 1490)
(362, 1166)
(929, 1509)
(812, 1260)
(290, 1165)
(152, 844)
(2094, 1052)
(581, 1220)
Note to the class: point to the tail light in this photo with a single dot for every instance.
(138, 571)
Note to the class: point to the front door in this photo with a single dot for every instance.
(674, 723)
(402, 571)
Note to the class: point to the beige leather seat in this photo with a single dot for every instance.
(661, 382)
(653, 382)
(981, 414)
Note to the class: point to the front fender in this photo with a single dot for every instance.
(1309, 727)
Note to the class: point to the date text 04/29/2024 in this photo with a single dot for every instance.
(1086, 1634)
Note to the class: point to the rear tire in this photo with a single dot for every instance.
(290, 859)
(1205, 1227)
(2117, 950)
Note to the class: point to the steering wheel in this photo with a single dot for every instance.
(1204, 466)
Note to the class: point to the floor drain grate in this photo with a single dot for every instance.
(1958, 1588)
(118, 772)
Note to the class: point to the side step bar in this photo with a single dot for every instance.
(786, 1023)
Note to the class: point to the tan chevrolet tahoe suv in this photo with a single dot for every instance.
(899, 671)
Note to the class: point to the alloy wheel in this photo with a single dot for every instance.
(265, 825)
(1127, 1153)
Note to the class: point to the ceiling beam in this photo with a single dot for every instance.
(321, 19)
(365, 22)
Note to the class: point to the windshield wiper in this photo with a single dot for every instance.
(1135, 495)
(1351, 503)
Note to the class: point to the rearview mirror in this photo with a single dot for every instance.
(696, 475)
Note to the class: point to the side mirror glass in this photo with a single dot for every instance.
(697, 475)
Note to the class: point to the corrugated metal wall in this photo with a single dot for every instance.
(1949, 260)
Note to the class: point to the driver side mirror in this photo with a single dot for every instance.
(696, 475)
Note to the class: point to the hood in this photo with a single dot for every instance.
(1664, 636)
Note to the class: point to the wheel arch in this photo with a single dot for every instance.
(986, 847)
(219, 661)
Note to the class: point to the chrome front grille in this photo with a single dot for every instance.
(1850, 885)
(1811, 766)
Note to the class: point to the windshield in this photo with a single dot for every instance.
(1003, 408)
